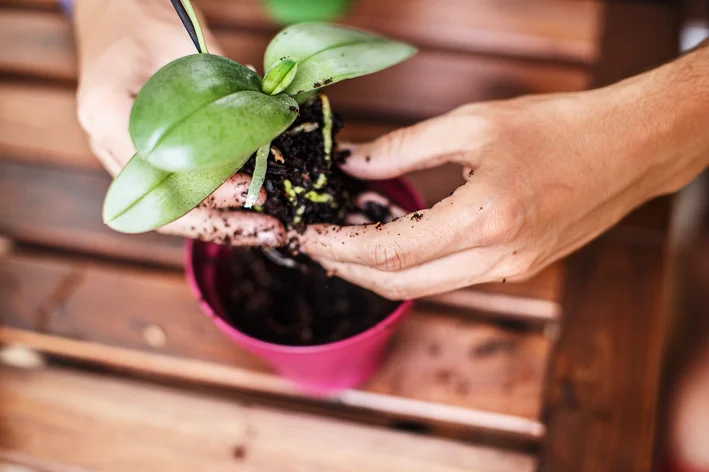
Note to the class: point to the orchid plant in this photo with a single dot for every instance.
(199, 119)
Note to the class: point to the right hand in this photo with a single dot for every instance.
(121, 44)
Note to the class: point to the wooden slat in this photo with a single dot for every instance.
(39, 44)
(559, 30)
(70, 419)
(454, 362)
(63, 210)
(551, 29)
(602, 398)
(604, 383)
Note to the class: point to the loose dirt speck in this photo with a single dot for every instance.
(239, 452)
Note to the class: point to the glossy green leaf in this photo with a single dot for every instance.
(143, 197)
(180, 89)
(328, 54)
(279, 76)
(289, 11)
(203, 111)
(229, 128)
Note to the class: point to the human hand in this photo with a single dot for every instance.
(122, 43)
(544, 175)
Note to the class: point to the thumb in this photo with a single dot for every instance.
(427, 144)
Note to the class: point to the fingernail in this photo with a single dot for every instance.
(268, 239)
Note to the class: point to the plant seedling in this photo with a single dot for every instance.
(199, 119)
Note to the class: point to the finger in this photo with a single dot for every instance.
(464, 220)
(447, 138)
(234, 228)
(107, 159)
(452, 272)
(104, 113)
(232, 194)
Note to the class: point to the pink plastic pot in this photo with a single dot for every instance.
(319, 370)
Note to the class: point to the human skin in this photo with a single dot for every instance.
(544, 175)
(121, 44)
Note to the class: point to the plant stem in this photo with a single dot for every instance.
(259, 175)
(197, 26)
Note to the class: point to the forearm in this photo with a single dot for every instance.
(661, 120)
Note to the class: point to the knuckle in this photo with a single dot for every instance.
(504, 221)
(388, 257)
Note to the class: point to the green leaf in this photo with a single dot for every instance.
(143, 198)
(230, 128)
(279, 76)
(288, 11)
(328, 54)
(181, 88)
(203, 111)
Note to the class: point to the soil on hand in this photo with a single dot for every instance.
(294, 307)
(303, 182)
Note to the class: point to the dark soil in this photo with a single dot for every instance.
(304, 161)
(302, 306)
(288, 307)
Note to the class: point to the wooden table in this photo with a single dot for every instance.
(560, 373)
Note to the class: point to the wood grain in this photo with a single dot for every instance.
(82, 420)
(605, 374)
(601, 404)
(37, 43)
(63, 210)
(456, 362)
(557, 30)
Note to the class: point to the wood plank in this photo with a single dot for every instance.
(605, 374)
(559, 30)
(439, 80)
(550, 29)
(63, 210)
(601, 403)
(457, 362)
(83, 420)
(357, 405)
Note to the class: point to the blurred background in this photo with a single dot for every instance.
(600, 363)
